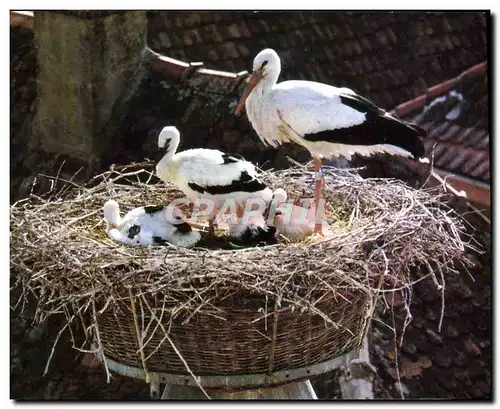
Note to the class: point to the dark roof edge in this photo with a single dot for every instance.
(220, 82)
(419, 102)
(470, 189)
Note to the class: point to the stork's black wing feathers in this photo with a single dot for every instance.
(360, 103)
(378, 128)
(159, 240)
(227, 158)
(259, 235)
(183, 228)
(245, 183)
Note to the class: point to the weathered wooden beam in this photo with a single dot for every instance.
(357, 375)
(475, 191)
(472, 190)
(89, 66)
(291, 391)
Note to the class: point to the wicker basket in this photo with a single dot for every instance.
(240, 340)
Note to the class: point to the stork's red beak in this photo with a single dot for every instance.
(252, 82)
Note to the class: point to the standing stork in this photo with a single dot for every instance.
(326, 120)
(209, 174)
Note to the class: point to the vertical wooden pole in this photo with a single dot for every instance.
(357, 375)
(89, 64)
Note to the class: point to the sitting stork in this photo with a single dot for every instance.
(294, 222)
(209, 174)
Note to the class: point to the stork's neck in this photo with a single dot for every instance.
(267, 83)
(168, 151)
(255, 104)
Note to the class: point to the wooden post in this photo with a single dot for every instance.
(357, 375)
(89, 64)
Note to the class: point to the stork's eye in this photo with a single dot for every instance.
(263, 64)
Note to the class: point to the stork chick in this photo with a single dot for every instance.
(296, 223)
(149, 225)
(252, 229)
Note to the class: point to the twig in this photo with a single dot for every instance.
(99, 342)
(138, 335)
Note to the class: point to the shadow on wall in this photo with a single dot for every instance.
(205, 120)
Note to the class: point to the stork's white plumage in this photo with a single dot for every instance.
(149, 225)
(208, 173)
(296, 223)
(326, 120)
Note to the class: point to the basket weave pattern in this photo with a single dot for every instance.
(242, 342)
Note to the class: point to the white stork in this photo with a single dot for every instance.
(208, 174)
(326, 120)
(294, 222)
(149, 225)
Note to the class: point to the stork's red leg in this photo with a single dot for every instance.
(211, 228)
(211, 218)
(318, 228)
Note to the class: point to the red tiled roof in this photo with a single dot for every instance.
(456, 115)
(389, 57)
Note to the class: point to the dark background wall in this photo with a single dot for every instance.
(390, 57)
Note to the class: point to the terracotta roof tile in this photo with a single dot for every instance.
(456, 116)
(346, 49)
(459, 356)
(482, 170)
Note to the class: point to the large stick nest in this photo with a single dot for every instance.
(383, 230)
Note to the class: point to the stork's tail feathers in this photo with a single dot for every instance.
(403, 135)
